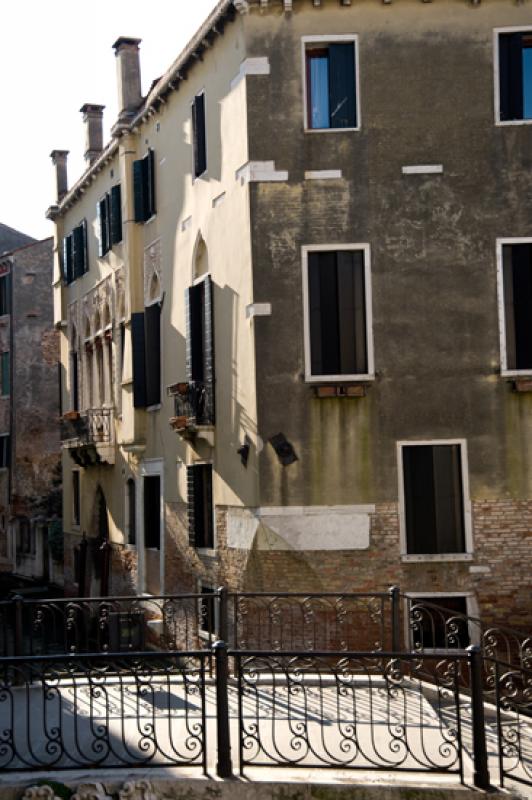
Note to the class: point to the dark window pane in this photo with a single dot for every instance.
(116, 215)
(132, 512)
(199, 136)
(511, 75)
(152, 320)
(139, 360)
(76, 498)
(342, 92)
(207, 616)
(517, 279)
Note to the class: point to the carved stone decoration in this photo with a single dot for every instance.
(39, 793)
(152, 272)
(91, 791)
(120, 295)
(137, 790)
(73, 329)
(98, 305)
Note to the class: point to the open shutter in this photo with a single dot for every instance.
(192, 480)
(448, 499)
(68, 260)
(208, 347)
(511, 75)
(194, 331)
(139, 190)
(139, 360)
(103, 243)
(116, 214)
(149, 177)
(152, 320)
(198, 124)
(509, 315)
(316, 361)
(522, 301)
(78, 235)
(418, 474)
(342, 88)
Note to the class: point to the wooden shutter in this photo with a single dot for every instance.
(418, 479)
(139, 190)
(192, 480)
(198, 127)
(103, 242)
(511, 75)
(330, 340)
(149, 180)
(152, 321)
(316, 362)
(208, 349)
(448, 499)
(509, 316)
(522, 304)
(342, 87)
(139, 360)
(68, 258)
(115, 206)
(78, 235)
(194, 332)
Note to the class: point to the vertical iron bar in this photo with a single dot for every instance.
(480, 754)
(224, 768)
(19, 625)
(222, 626)
(499, 725)
(395, 598)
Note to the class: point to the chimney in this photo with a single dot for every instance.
(59, 160)
(92, 117)
(128, 76)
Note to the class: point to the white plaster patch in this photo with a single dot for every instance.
(322, 174)
(301, 528)
(252, 66)
(258, 310)
(479, 570)
(259, 171)
(423, 169)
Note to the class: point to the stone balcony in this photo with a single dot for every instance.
(89, 436)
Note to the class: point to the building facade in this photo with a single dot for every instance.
(30, 448)
(294, 296)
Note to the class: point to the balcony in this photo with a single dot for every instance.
(89, 436)
(193, 409)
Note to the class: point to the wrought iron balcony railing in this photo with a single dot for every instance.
(94, 426)
(193, 405)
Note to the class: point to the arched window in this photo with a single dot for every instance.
(201, 258)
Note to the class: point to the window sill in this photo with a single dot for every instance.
(201, 177)
(435, 557)
(206, 552)
(331, 130)
(339, 380)
(503, 123)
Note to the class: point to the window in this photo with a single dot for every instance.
(515, 75)
(74, 381)
(330, 82)
(144, 187)
(5, 450)
(110, 220)
(76, 498)
(152, 512)
(5, 294)
(5, 364)
(200, 346)
(433, 498)
(131, 510)
(207, 615)
(200, 506)
(439, 622)
(75, 254)
(337, 297)
(146, 344)
(198, 135)
(515, 296)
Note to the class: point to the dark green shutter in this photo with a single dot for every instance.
(149, 172)
(152, 321)
(103, 242)
(139, 360)
(198, 126)
(138, 190)
(191, 505)
(194, 333)
(116, 214)
(152, 512)
(68, 271)
(208, 348)
(342, 87)
(78, 235)
(511, 75)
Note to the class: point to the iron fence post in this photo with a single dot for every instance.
(19, 625)
(395, 596)
(480, 753)
(224, 767)
(221, 627)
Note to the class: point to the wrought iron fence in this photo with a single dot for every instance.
(121, 710)
(513, 703)
(193, 404)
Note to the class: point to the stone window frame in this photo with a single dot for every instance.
(313, 248)
(326, 39)
(505, 372)
(472, 611)
(468, 554)
(496, 76)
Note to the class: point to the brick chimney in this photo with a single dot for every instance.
(93, 119)
(59, 160)
(128, 77)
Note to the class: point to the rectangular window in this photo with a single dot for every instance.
(200, 364)
(5, 374)
(5, 295)
(152, 336)
(337, 317)
(330, 83)
(75, 253)
(515, 284)
(199, 135)
(200, 506)
(152, 512)
(76, 498)
(110, 220)
(144, 187)
(5, 450)
(515, 75)
(438, 622)
(433, 495)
